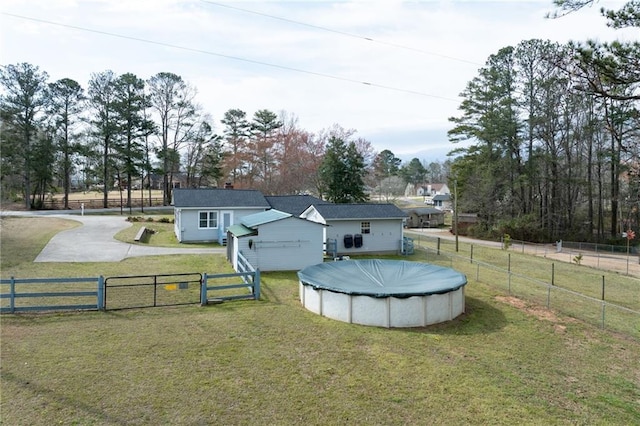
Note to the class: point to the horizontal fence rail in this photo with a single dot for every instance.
(250, 282)
(146, 291)
(596, 307)
(51, 294)
(122, 292)
(98, 203)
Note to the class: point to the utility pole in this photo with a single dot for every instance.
(455, 210)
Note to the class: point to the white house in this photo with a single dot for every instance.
(432, 189)
(276, 241)
(443, 202)
(205, 214)
(434, 192)
(360, 228)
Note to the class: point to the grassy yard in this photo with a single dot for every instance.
(272, 362)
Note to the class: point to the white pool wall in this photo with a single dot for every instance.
(413, 311)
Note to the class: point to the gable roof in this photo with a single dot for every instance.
(249, 224)
(219, 198)
(257, 219)
(442, 197)
(294, 204)
(359, 211)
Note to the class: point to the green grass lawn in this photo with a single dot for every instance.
(273, 362)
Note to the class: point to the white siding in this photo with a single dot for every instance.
(187, 230)
(249, 253)
(285, 245)
(385, 236)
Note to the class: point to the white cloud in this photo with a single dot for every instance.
(431, 47)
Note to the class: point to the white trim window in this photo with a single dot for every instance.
(207, 220)
(365, 227)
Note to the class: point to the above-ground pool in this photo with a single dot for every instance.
(383, 293)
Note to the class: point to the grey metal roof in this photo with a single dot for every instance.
(219, 198)
(241, 230)
(442, 197)
(359, 211)
(257, 219)
(424, 210)
(294, 204)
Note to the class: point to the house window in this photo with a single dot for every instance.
(208, 220)
(365, 227)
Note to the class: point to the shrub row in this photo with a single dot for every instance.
(161, 219)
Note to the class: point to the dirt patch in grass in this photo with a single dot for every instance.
(533, 310)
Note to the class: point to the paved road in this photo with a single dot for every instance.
(94, 242)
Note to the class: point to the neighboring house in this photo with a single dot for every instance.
(424, 217)
(442, 202)
(294, 204)
(156, 181)
(430, 190)
(276, 241)
(360, 228)
(205, 214)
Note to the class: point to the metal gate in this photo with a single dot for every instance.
(145, 291)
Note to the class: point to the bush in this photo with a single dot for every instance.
(526, 228)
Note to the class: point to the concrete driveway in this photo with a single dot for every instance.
(94, 242)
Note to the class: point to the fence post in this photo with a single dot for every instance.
(101, 293)
(603, 287)
(12, 300)
(471, 256)
(438, 251)
(548, 296)
(203, 290)
(553, 274)
(256, 285)
(509, 262)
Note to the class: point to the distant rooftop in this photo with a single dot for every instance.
(294, 204)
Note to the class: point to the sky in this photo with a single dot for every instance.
(391, 70)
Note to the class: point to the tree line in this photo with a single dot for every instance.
(121, 131)
(554, 138)
(551, 138)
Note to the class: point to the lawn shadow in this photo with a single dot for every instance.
(56, 398)
(479, 317)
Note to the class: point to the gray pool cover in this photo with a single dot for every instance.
(382, 278)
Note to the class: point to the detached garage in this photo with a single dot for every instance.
(275, 241)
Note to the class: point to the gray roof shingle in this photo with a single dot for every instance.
(424, 210)
(359, 211)
(219, 198)
(294, 204)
